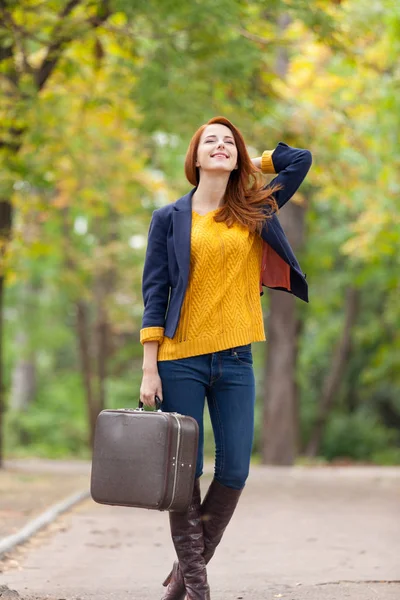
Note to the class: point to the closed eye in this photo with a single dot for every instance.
(212, 141)
(229, 141)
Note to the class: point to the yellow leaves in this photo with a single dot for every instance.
(106, 118)
(301, 73)
(119, 19)
(64, 164)
(11, 278)
(308, 79)
(295, 31)
(375, 233)
(39, 249)
(377, 54)
(385, 176)
(346, 105)
(280, 87)
(35, 59)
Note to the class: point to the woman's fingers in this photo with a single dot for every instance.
(148, 400)
(150, 388)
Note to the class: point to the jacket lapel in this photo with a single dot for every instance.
(182, 225)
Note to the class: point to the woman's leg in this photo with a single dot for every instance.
(226, 379)
(183, 389)
(231, 400)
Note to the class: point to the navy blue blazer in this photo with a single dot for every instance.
(167, 260)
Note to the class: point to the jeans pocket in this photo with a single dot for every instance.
(243, 357)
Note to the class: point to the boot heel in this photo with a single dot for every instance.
(167, 580)
(174, 584)
(172, 574)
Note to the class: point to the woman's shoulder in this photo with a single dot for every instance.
(164, 212)
(182, 203)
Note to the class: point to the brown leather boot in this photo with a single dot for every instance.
(175, 584)
(187, 536)
(217, 509)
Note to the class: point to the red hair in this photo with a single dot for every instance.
(246, 196)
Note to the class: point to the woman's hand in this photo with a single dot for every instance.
(257, 162)
(151, 386)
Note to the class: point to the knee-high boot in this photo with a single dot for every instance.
(187, 536)
(216, 511)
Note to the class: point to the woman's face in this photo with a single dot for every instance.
(217, 149)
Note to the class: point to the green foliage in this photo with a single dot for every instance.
(359, 436)
(55, 425)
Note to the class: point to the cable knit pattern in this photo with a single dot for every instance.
(222, 306)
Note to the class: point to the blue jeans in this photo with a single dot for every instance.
(226, 379)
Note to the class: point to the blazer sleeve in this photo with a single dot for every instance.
(155, 281)
(291, 164)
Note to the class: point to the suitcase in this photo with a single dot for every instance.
(145, 459)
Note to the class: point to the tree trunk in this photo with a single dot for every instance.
(93, 359)
(102, 354)
(6, 214)
(104, 285)
(93, 332)
(280, 438)
(101, 335)
(23, 381)
(334, 377)
(280, 415)
(83, 330)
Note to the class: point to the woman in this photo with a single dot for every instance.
(208, 256)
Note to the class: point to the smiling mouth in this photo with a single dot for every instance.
(219, 154)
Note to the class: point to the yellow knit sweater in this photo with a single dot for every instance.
(222, 304)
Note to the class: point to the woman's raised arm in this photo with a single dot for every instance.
(291, 164)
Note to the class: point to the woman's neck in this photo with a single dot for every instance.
(210, 192)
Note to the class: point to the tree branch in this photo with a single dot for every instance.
(56, 48)
(68, 8)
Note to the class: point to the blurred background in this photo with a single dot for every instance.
(99, 100)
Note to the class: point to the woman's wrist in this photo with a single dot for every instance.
(150, 369)
(150, 355)
(257, 162)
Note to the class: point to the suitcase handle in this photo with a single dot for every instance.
(158, 403)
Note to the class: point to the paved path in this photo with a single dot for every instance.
(301, 533)
(28, 487)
